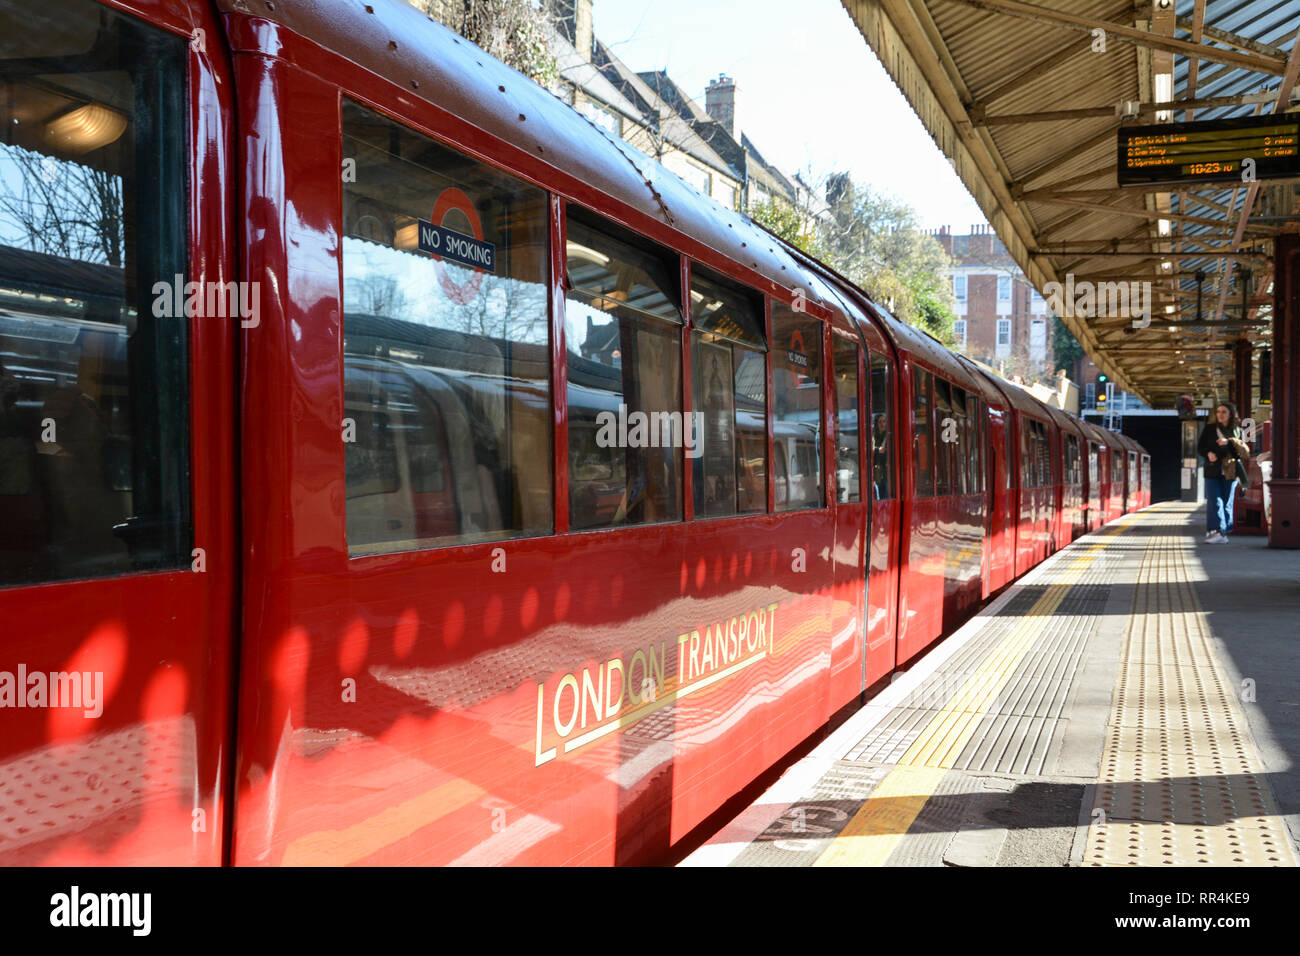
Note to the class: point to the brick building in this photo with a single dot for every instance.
(1002, 321)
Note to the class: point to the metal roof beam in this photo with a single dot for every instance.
(979, 118)
(1195, 25)
(1256, 62)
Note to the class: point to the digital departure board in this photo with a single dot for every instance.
(1214, 151)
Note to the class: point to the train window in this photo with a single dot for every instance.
(1092, 467)
(1008, 461)
(728, 398)
(622, 326)
(974, 445)
(1071, 459)
(922, 434)
(445, 345)
(847, 468)
(1027, 459)
(882, 473)
(1132, 472)
(726, 310)
(1045, 475)
(94, 308)
(961, 447)
(945, 433)
(797, 404)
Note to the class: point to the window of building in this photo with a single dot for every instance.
(797, 407)
(699, 178)
(94, 343)
(1004, 338)
(922, 433)
(1036, 303)
(1090, 395)
(1004, 288)
(847, 467)
(882, 481)
(1037, 340)
(602, 116)
(622, 328)
(729, 397)
(445, 345)
(959, 287)
(959, 329)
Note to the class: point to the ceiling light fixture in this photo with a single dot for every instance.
(86, 128)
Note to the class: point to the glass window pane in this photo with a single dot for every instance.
(1026, 454)
(726, 310)
(1008, 470)
(882, 472)
(445, 344)
(797, 404)
(627, 434)
(610, 267)
(961, 450)
(922, 436)
(846, 397)
(729, 399)
(944, 425)
(974, 446)
(94, 305)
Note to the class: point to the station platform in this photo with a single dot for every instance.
(1133, 701)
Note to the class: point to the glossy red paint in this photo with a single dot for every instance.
(607, 690)
(143, 783)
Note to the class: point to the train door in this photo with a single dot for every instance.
(116, 413)
(1001, 535)
(882, 569)
(852, 584)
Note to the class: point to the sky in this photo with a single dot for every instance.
(810, 91)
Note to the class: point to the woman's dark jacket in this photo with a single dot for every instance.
(1209, 442)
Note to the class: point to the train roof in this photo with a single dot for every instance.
(430, 62)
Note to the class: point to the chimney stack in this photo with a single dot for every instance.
(573, 20)
(945, 239)
(720, 103)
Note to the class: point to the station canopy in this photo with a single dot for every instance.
(1027, 100)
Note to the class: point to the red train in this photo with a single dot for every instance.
(411, 472)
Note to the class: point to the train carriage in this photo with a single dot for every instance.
(520, 506)
(994, 438)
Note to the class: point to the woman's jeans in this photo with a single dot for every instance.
(1219, 495)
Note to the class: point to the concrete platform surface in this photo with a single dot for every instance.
(1133, 701)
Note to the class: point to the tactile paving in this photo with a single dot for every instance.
(1181, 783)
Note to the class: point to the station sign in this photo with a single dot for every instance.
(1228, 150)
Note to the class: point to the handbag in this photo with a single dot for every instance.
(1233, 468)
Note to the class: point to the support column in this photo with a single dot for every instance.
(1241, 377)
(1284, 524)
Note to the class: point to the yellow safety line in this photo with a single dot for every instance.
(886, 816)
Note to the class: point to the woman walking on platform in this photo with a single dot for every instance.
(1225, 454)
